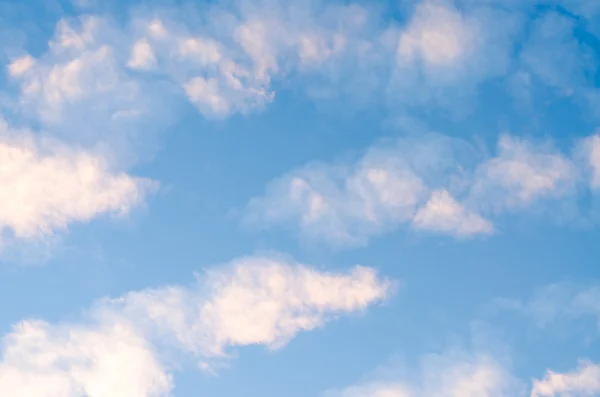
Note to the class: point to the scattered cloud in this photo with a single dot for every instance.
(94, 88)
(252, 300)
(233, 61)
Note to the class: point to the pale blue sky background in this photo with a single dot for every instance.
(453, 289)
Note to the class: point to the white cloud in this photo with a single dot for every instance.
(20, 66)
(583, 381)
(42, 360)
(75, 67)
(142, 56)
(252, 300)
(47, 186)
(212, 80)
(348, 203)
(523, 172)
(448, 375)
(438, 35)
(445, 51)
(443, 213)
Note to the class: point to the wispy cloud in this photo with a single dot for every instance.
(450, 374)
(559, 303)
(252, 300)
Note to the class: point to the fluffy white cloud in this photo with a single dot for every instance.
(229, 63)
(438, 35)
(42, 360)
(77, 66)
(522, 172)
(47, 186)
(229, 66)
(142, 56)
(447, 375)
(583, 381)
(443, 213)
(253, 300)
(445, 50)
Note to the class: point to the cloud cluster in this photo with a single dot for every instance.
(230, 63)
(431, 183)
(252, 300)
(233, 60)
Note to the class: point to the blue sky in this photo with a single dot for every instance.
(311, 198)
